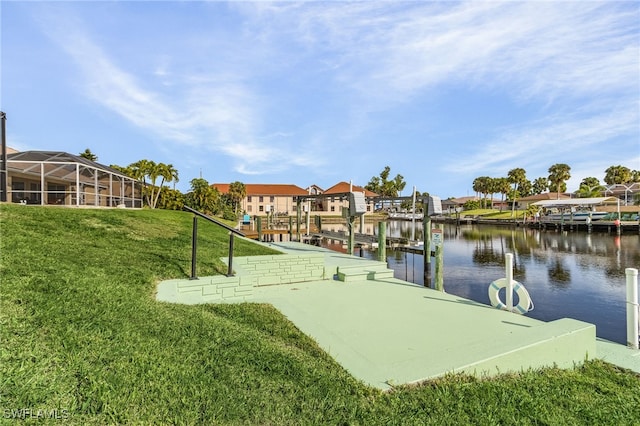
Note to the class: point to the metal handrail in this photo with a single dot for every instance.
(194, 240)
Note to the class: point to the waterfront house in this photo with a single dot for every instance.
(263, 198)
(524, 202)
(60, 178)
(281, 199)
(337, 197)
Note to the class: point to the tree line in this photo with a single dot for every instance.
(516, 185)
(202, 196)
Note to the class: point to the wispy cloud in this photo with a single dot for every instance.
(363, 58)
(549, 55)
(539, 144)
(213, 112)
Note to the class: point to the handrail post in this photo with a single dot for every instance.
(194, 247)
(632, 308)
(230, 268)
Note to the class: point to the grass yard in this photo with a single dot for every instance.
(82, 333)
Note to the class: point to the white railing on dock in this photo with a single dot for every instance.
(633, 309)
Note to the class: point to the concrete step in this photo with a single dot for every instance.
(369, 271)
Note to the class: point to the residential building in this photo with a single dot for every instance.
(281, 199)
(336, 197)
(59, 178)
(524, 202)
(260, 199)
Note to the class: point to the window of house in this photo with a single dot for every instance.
(333, 208)
(248, 208)
(272, 199)
(260, 208)
(368, 208)
(260, 199)
(249, 198)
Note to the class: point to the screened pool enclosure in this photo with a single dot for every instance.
(59, 178)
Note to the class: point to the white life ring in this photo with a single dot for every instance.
(524, 303)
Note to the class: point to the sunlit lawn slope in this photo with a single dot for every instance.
(81, 332)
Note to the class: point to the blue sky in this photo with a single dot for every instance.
(322, 92)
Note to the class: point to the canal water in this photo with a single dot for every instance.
(567, 274)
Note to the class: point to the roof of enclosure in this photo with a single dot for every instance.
(57, 157)
(575, 202)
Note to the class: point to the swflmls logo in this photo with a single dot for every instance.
(29, 413)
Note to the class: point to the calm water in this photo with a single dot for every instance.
(569, 274)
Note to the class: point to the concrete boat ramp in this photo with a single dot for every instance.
(387, 332)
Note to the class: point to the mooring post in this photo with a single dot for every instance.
(351, 221)
(259, 227)
(508, 269)
(194, 247)
(290, 228)
(632, 308)
(439, 276)
(382, 241)
(298, 219)
(426, 236)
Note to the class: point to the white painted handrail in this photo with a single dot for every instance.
(633, 310)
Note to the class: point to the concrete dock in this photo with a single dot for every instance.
(387, 332)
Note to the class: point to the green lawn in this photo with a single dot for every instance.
(505, 214)
(81, 332)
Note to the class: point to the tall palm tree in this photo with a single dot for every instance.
(482, 185)
(237, 192)
(540, 185)
(174, 175)
(166, 173)
(558, 175)
(139, 171)
(617, 175)
(503, 187)
(517, 177)
(590, 187)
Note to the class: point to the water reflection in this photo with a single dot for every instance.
(568, 274)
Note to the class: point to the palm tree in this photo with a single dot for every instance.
(503, 187)
(166, 173)
(540, 185)
(481, 185)
(590, 187)
(517, 177)
(174, 175)
(558, 175)
(140, 171)
(617, 175)
(237, 192)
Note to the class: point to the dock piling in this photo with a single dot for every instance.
(632, 308)
(382, 241)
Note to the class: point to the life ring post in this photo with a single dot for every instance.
(508, 260)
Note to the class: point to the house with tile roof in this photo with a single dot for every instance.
(336, 197)
(281, 199)
(263, 198)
